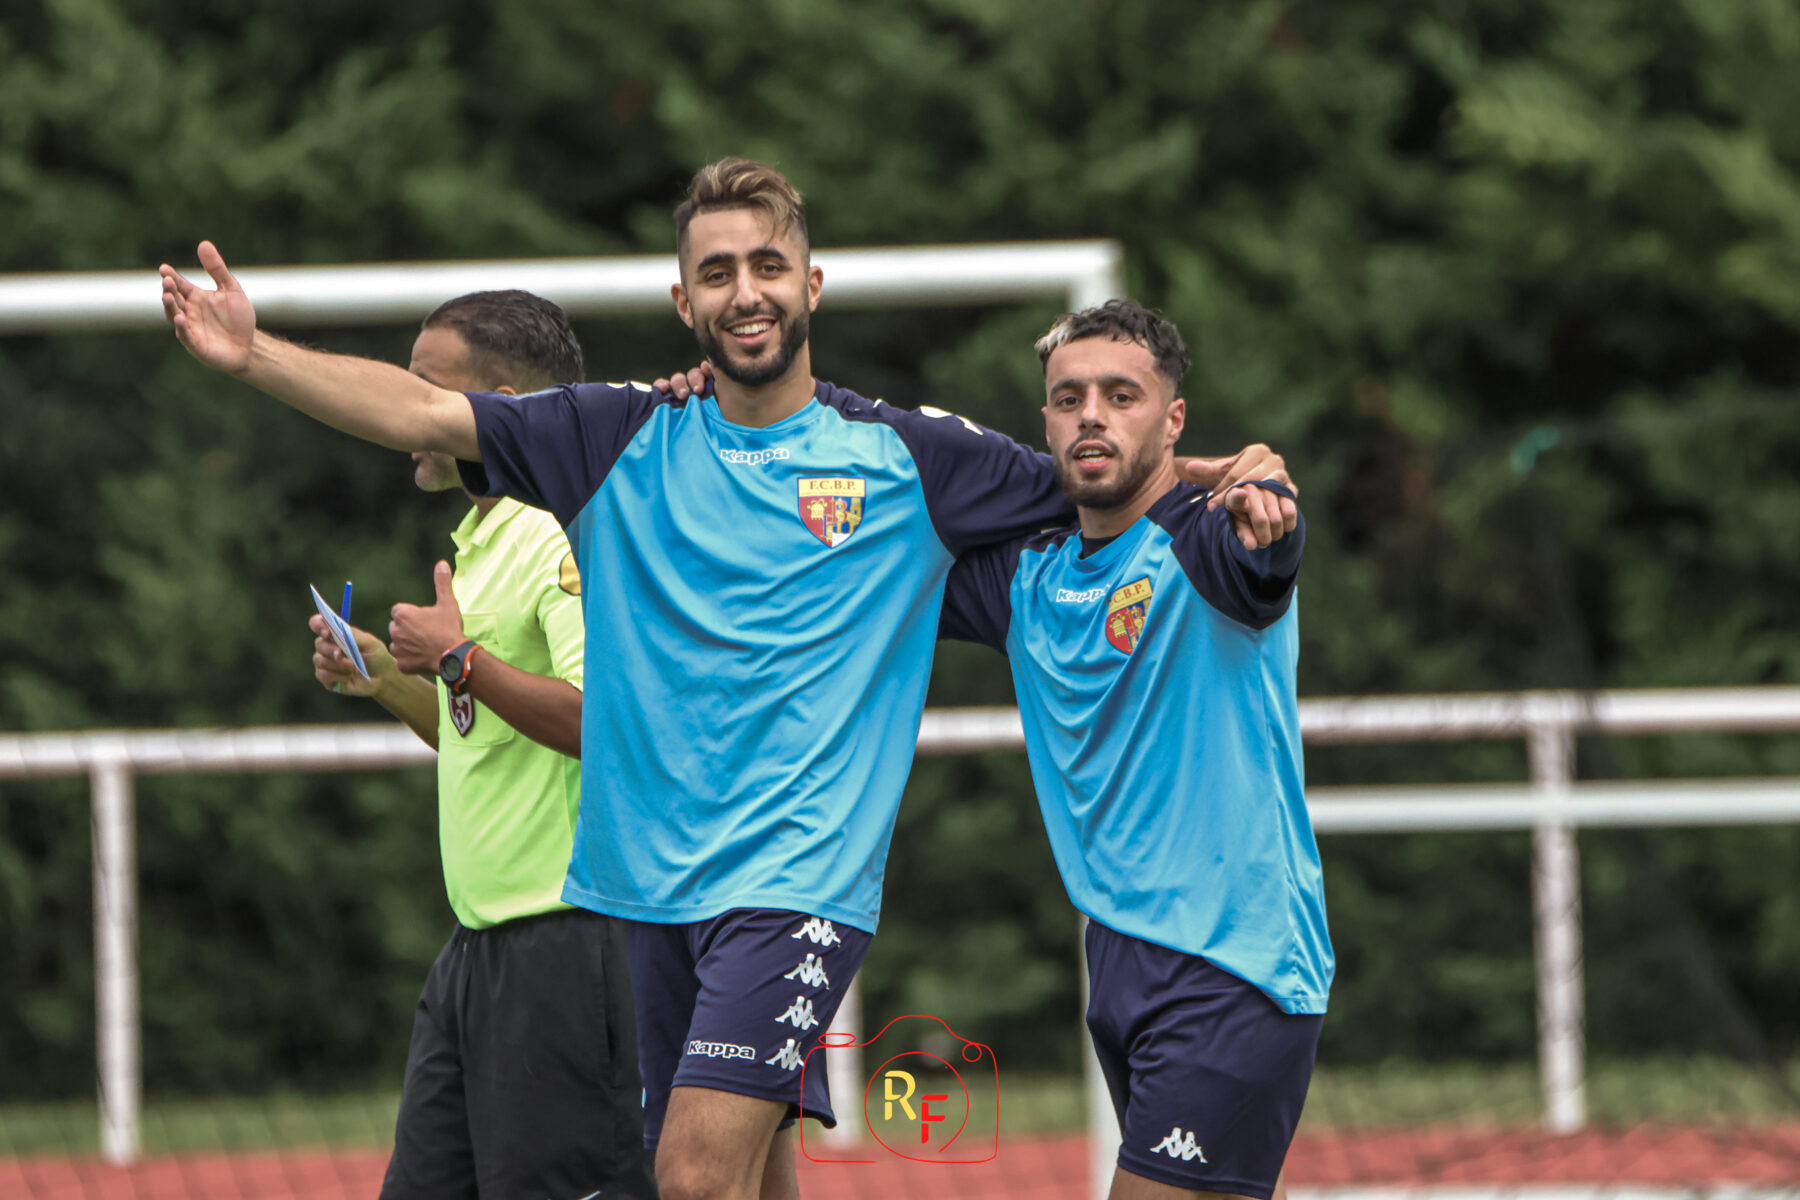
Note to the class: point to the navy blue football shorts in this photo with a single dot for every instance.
(1207, 1075)
(736, 1003)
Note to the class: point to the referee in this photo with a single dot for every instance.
(522, 1076)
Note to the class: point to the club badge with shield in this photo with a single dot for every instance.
(1125, 613)
(832, 508)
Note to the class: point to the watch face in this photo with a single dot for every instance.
(450, 666)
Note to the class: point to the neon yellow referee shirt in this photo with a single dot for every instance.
(506, 805)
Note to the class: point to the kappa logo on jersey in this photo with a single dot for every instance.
(1085, 596)
(811, 971)
(1179, 1145)
(820, 932)
(832, 508)
(1125, 614)
(462, 713)
(720, 1050)
(787, 1058)
(754, 458)
(799, 1014)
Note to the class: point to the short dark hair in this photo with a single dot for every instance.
(1122, 321)
(742, 183)
(515, 339)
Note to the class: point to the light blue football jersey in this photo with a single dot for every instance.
(1156, 681)
(761, 610)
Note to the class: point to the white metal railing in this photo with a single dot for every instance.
(1552, 806)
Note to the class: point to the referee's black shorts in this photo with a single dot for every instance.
(522, 1079)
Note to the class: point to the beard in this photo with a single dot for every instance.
(1131, 476)
(760, 371)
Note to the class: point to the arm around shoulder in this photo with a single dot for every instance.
(981, 487)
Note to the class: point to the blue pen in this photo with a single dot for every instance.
(344, 611)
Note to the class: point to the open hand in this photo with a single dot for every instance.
(217, 326)
(418, 637)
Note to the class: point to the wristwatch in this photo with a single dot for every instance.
(454, 667)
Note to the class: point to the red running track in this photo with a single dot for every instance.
(1051, 1169)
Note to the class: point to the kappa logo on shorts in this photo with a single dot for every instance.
(1125, 614)
(721, 1050)
(810, 971)
(1179, 1145)
(787, 1058)
(820, 932)
(800, 1014)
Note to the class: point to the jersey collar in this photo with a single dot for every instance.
(1109, 555)
(470, 534)
(1105, 558)
(801, 417)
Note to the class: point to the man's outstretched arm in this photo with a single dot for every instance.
(375, 401)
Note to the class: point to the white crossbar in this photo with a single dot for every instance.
(1080, 273)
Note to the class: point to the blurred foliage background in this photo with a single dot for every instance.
(1514, 284)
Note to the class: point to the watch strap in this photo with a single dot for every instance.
(463, 653)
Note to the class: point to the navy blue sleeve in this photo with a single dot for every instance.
(981, 487)
(1252, 587)
(978, 595)
(553, 449)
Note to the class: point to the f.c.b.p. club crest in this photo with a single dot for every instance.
(1125, 613)
(832, 508)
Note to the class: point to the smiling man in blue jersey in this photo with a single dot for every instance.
(762, 573)
(1153, 651)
